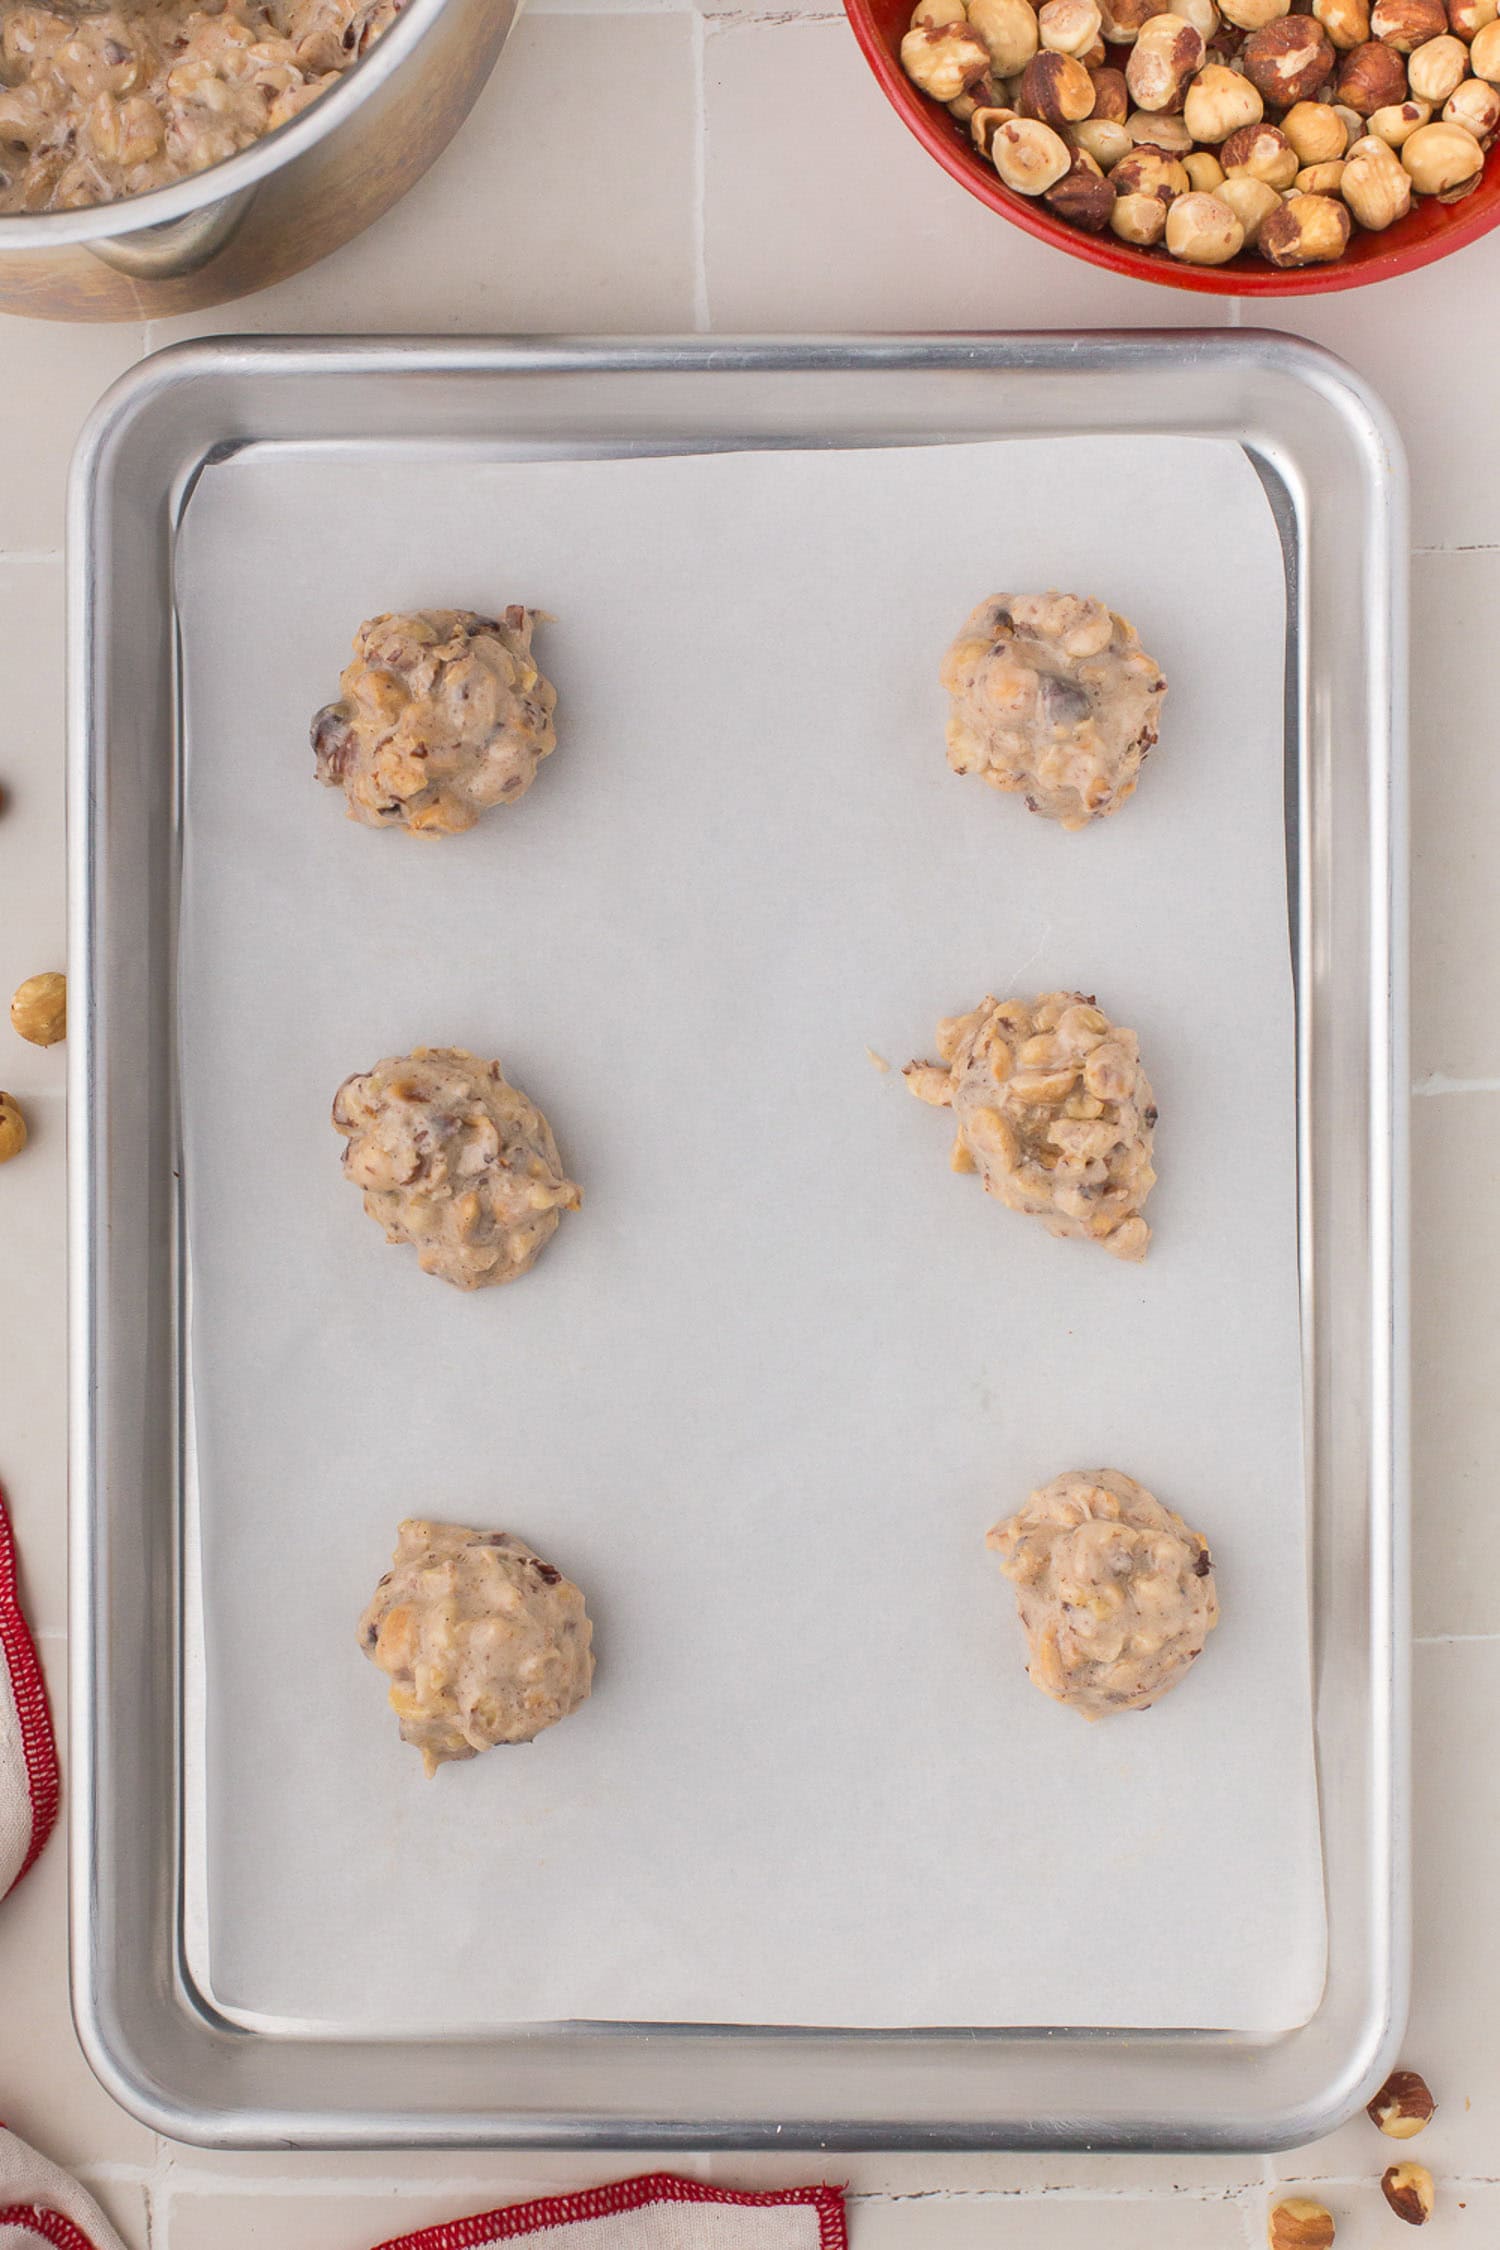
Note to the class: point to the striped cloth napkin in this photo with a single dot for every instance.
(42, 2209)
(28, 1754)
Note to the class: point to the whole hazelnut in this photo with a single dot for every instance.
(1398, 121)
(1082, 196)
(1407, 24)
(1141, 219)
(1321, 179)
(1289, 60)
(985, 124)
(1095, 57)
(1403, 2107)
(1252, 203)
(1102, 139)
(1409, 2191)
(1476, 107)
(1159, 129)
(1260, 152)
(1121, 20)
(939, 11)
(1466, 17)
(1008, 29)
(1201, 14)
(1310, 230)
(1202, 231)
(12, 1129)
(1068, 27)
(1166, 56)
(1056, 89)
(1347, 22)
(943, 59)
(1371, 77)
(1375, 185)
(1029, 156)
(1484, 54)
(1316, 131)
(1253, 15)
(1350, 119)
(1218, 103)
(1438, 68)
(39, 1009)
(1444, 161)
(1300, 2224)
(1204, 171)
(1111, 95)
(1149, 171)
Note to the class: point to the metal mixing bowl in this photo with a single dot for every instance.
(279, 205)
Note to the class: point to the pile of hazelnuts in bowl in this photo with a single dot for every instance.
(1208, 127)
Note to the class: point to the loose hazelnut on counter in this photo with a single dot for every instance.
(1347, 22)
(1404, 2104)
(1082, 196)
(1371, 77)
(1159, 129)
(944, 58)
(12, 1129)
(1204, 171)
(1309, 230)
(1444, 161)
(984, 125)
(1111, 95)
(1321, 179)
(1121, 20)
(1029, 156)
(1409, 2191)
(1260, 152)
(1484, 54)
(1202, 231)
(1375, 185)
(1167, 55)
(1218, 103)
(1300, 2224)
(1398, 121)
(1252, 203)
(1056, 89)
(1102, 139)
(1253, 15)
(1150, 171)
(39, 1010)
(1008, 29)
(1407, 24)
(1141, 219)
(1068, 27)
(1438, 68)
(1288, 61)
(1316, 131)
(1476, 107)
(1468, 17)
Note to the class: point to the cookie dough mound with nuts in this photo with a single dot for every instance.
(1116, 1594)
(483, 1641)
(455, 1161)
(1054, 698)
(443, 714)
(1053, 1111)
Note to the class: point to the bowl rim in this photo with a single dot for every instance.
(179, 199)
(929, 124)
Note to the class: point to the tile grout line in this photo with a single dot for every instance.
(1453, 1640)
(1438, 1083)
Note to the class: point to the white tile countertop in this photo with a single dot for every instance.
(639, 167)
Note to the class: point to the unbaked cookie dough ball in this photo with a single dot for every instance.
(456, 1161)
(443, 714)
(1053, 697)
(1116, 1594)
(1053, 1111)
(483, 1641)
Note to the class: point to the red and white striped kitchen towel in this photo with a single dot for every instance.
(28, 1754)
(660, 2212)
(42, 2209)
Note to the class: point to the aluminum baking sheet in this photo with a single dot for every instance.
(813, 1787)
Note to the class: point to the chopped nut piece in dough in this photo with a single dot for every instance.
(484, 1642)
(100, 102)
(1116, 1594)
(443, 714)
(1053, 1111)
(456, 1161)
(1053, 697)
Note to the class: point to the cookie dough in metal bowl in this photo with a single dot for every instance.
(1053, 1111)
(1116, 1594)
(456, 1161)
(1054, 698)
(484, 1642)
(443, 714)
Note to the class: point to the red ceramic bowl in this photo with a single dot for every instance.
(1429, 230)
